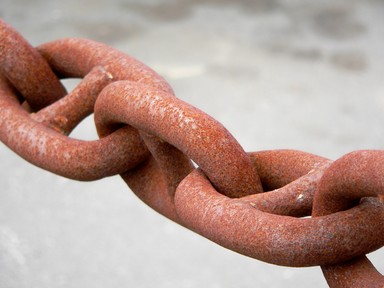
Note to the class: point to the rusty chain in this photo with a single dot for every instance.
(150, 138)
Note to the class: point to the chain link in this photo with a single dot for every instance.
(152, 139)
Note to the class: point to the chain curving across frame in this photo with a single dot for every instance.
(252, 203)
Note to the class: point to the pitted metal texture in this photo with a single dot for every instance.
(284, 207)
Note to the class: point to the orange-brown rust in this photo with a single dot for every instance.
(351, 178)
(282, 240)
(150, 138)
(27, 70)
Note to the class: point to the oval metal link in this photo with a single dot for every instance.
(200, 137)
(281, 240)
(49, 149)
(66, 51)
(349, 179)
(27, 70)
(82, 160)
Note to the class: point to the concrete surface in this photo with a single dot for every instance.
(278, 74)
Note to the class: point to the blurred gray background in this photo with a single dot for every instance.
(293, 74)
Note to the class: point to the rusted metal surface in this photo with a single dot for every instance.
(197, 135)
(282, 240)
(152, 139)
(24, 67)
(345, 184)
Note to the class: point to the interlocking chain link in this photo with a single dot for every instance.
(151, 138)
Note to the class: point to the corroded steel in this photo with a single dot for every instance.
(27, 70)
(76, 58)
(196, 134)
(348, 180)
(282, 240)
(152, 139)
